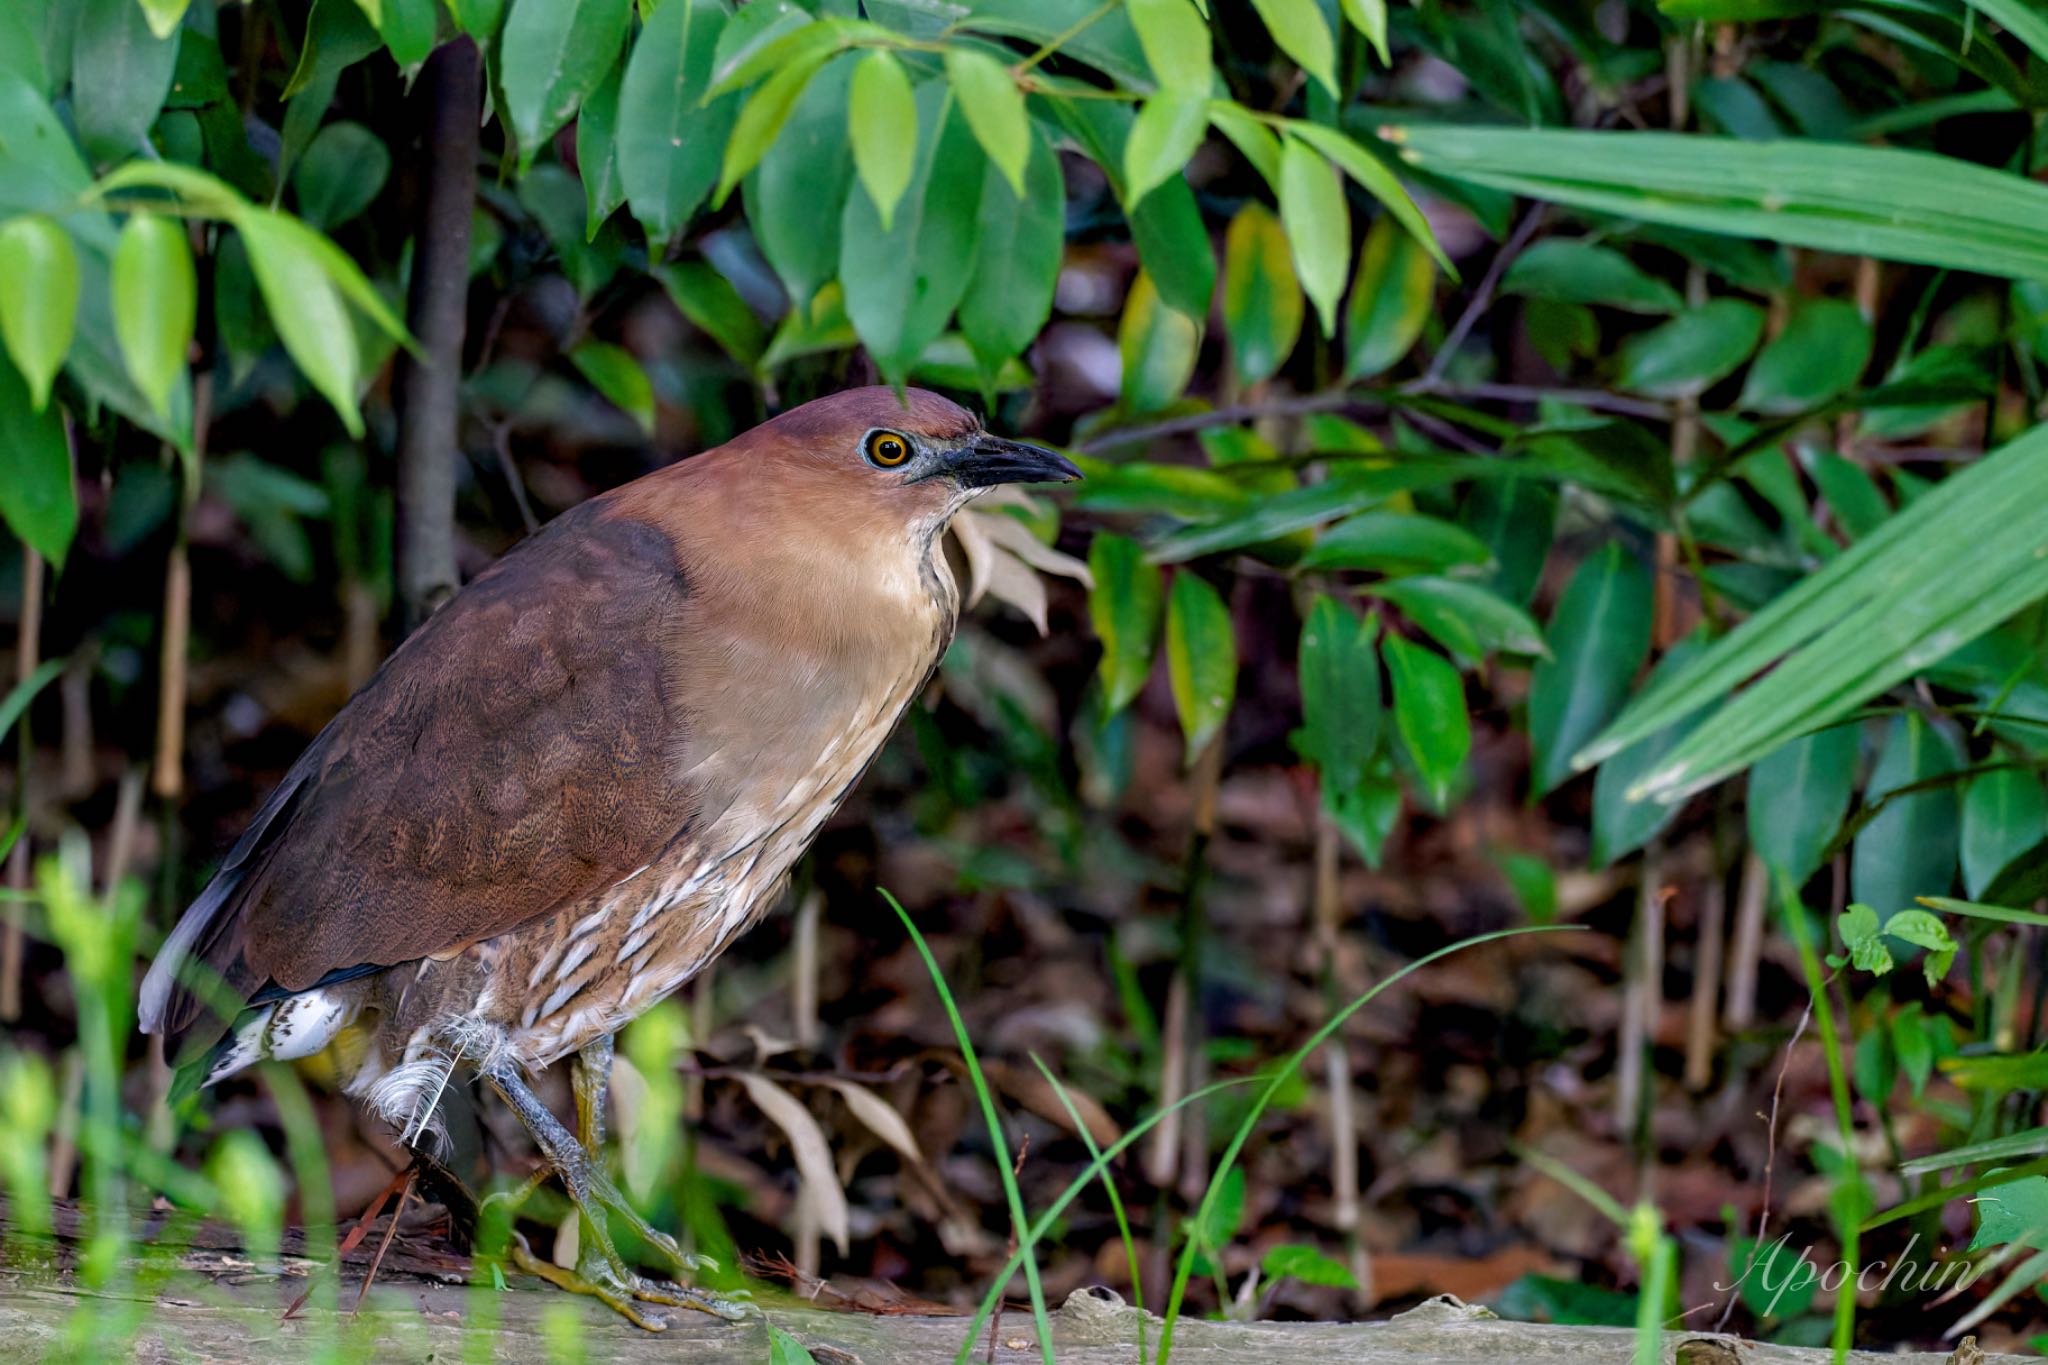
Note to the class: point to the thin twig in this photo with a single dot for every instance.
(1763, 1215)
(1482, 296)
(27, 658)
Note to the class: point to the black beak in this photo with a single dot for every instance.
(990, 460)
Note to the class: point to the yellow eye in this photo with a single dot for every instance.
(887, 449)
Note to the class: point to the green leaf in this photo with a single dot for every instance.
(407, 27)
(2019, 1211)
(1464, 617)
(1300, 31)
(1176, 43)
(613, 372)
(1599, 636)
(38, 298)
(1912, 1045)
(552, 56)
(480, 19)
(1863, 936)
(1225, 1213)
(670, 141)
(1390, 299)
(1909, 848)
(1938, 210)
(156, 300)
(882, 120)
(1261, 298)
(1399, 542)
(1164, 136)
(120, 74)
(1126, 605)
(1292, 1261)
(1943, 570)
(903, 281)
(1622, 824)
(797, 196)
(597, 153)
(164, 15)
(784, 1349)
(1376, 180)
(1429, 713)
(337, 37)
(1352, 490)
(995, 110)
(1516, 518)
(1318, 225)
(749, 62)
(1341, 705)
(1798, 794)
(1017, 264)
(710, 302)
(1201, 659)
(340, 175)
(754, 28)
(1254, 140)
(1159, 346)
(1172, 240)
(1822, 351)
(1924, 930)
(37, 498)
(2005, 813)
(305, 306)
(1580, 272)
(1682, 357)
(1370, 18)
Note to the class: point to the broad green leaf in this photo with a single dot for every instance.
(1851, 493)
(1318, 225)
(597, 153)
(305, 306)
(552, 56)
(995, 110)
(550, 193)
(1798, 795)
(1261, 298)
(1571, 271)
(2019, 1212)
(826, 36)
(1351, 490)
(1017, 265)
(407, 27)
(1159, 345)
(1682, 357)
(1516, 518)
(1172, 240)
(670, 141)
(1938, 210)
(1822, 351)
(38, 298)
(815, 330)
(1292, 1261)
(1390, 299)
(1300, 31)
(2005, 813)
(1923, 930)
(120, 74)
(784, 1349)
(340, 174)
(1621, 825)
(613, 372)
(1258, 143)
(164, 15)
(1370, 18)
(757, 25)
(480, 19)
(1176, 42)
(37, 498)
(1599, 636)
(1341, 704)
(156, 300)
(2022, 20)
(903, 281)
(709, 301)
(1429, 713)
(338, 35)
(1101, 36)
(1376, 180)
(1201, 659)
(797, 195)
(1224, 1214)
(1396, 543)
(1909, 848)
(1168, 129)
(882, 121)
(1942, 571)
(1126, 605)
(1862, 934)
(1464, 617)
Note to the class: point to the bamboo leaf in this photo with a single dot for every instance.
(1126, 606)
(1429, 713)
(1599, 636)
(1201, 659)
(1261, 297)
(1318, 226)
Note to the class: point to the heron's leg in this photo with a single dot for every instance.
(594, 1195)
(590, 1076)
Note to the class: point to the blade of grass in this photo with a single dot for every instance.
(1838, 1087)
(1186, 1265)
(1975, 910)
(1934, 1199)
(2028, 1143)
(1116, 1202)
(1026, 1238)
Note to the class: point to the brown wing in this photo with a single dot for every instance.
(513, 754)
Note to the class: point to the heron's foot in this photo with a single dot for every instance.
(624, 1292)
